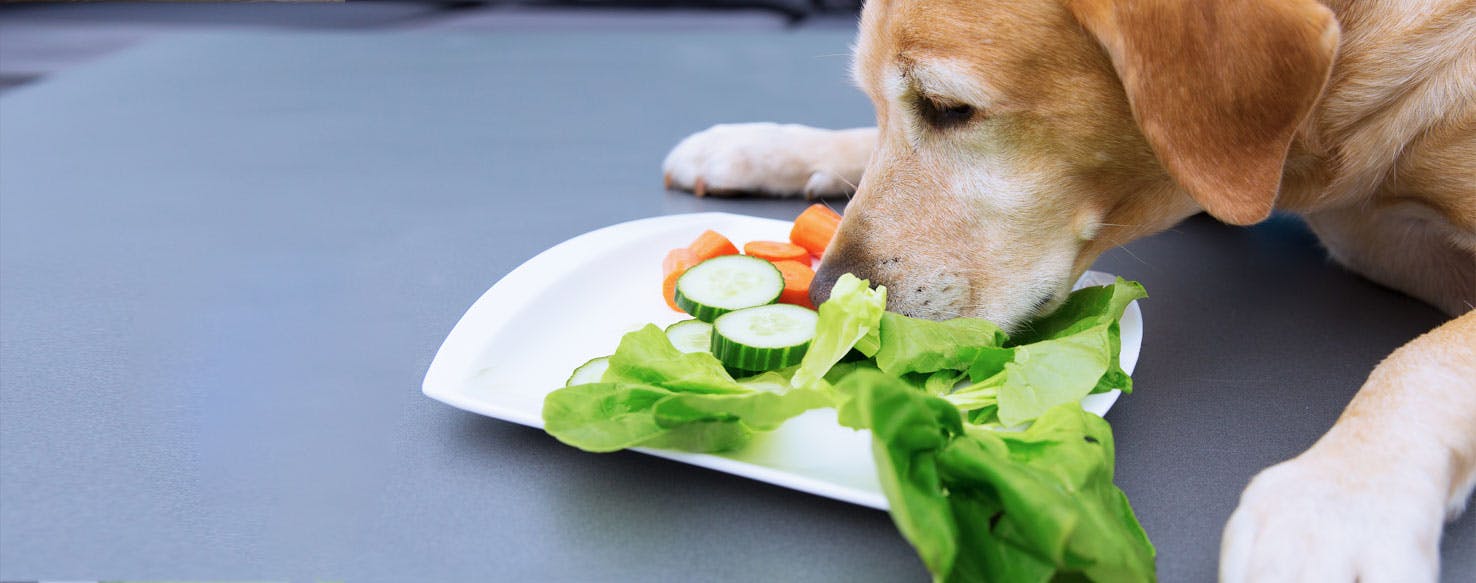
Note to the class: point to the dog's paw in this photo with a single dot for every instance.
(766, 158)
(1327, 520)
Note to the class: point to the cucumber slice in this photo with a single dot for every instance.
(765, 337)
(730, 282)
(690, 336)
(589, 372)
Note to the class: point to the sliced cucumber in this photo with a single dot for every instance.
(730, 282)
(764, 337)
(589, 372)
(690, 336)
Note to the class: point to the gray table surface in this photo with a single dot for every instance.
(226, 262)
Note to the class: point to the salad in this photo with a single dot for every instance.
(992, 469)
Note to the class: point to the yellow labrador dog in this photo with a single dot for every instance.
(1016, 141)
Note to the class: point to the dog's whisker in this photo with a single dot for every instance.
(1135, 256)
(848, 183)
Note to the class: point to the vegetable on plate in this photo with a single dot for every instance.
(982, 505)
(677, 262)
(726, 283)
(763, 338)
(814, 228)
(690, 336)
(589, 372)
(654, 395)
(797, 279)
(777, 251)
(712, 244)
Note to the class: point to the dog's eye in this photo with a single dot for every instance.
(942, 115)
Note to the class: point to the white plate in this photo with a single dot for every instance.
(573, 302)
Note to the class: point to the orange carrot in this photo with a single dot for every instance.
(711, 244)
(677, 262)
(776, 251)
(797, 278)
(814, 229)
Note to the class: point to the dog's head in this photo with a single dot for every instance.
(1020, 140)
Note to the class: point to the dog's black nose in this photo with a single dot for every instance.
(831, 269)
(824, 280)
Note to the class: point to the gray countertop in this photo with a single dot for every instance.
(227, 260)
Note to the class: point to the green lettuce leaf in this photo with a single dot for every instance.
(909, 428)
(982, 505)
(1084, 308)
(654, 395)
(703, 437)
(1057, 503)
(1028, 380)
(1053, 372)
(759, 410)
(603, 416)
(851, 318)
(942, 381)
(910, 345)
(772, 381)
(1088, 308)
(646, 356)
(1069, 355)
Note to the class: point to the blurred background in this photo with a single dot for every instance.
(41, 38)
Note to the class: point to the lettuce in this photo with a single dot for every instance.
(1040, 376)
(758, 410)
(646, 356)
(603, 416)
(1085, 309)
(909, 429)
(851, 318)
(910, 345)
(1057, 359)
(654, 395)
(977, 504)
(982, 505)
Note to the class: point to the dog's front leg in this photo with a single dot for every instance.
(1366, 502)
(772, 159)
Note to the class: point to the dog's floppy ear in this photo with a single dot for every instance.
(1219, 87)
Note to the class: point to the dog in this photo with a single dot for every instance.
(1016, 141)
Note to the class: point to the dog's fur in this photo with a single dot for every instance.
(1017, 141)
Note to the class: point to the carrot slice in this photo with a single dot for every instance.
(814, 229)
(797, 278)
(677, 262)
(777, 251)
(712, 244)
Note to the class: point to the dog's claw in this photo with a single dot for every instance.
(699, 187)
(666, 181)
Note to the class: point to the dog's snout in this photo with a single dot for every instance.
(825, 278)
(837, 263)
